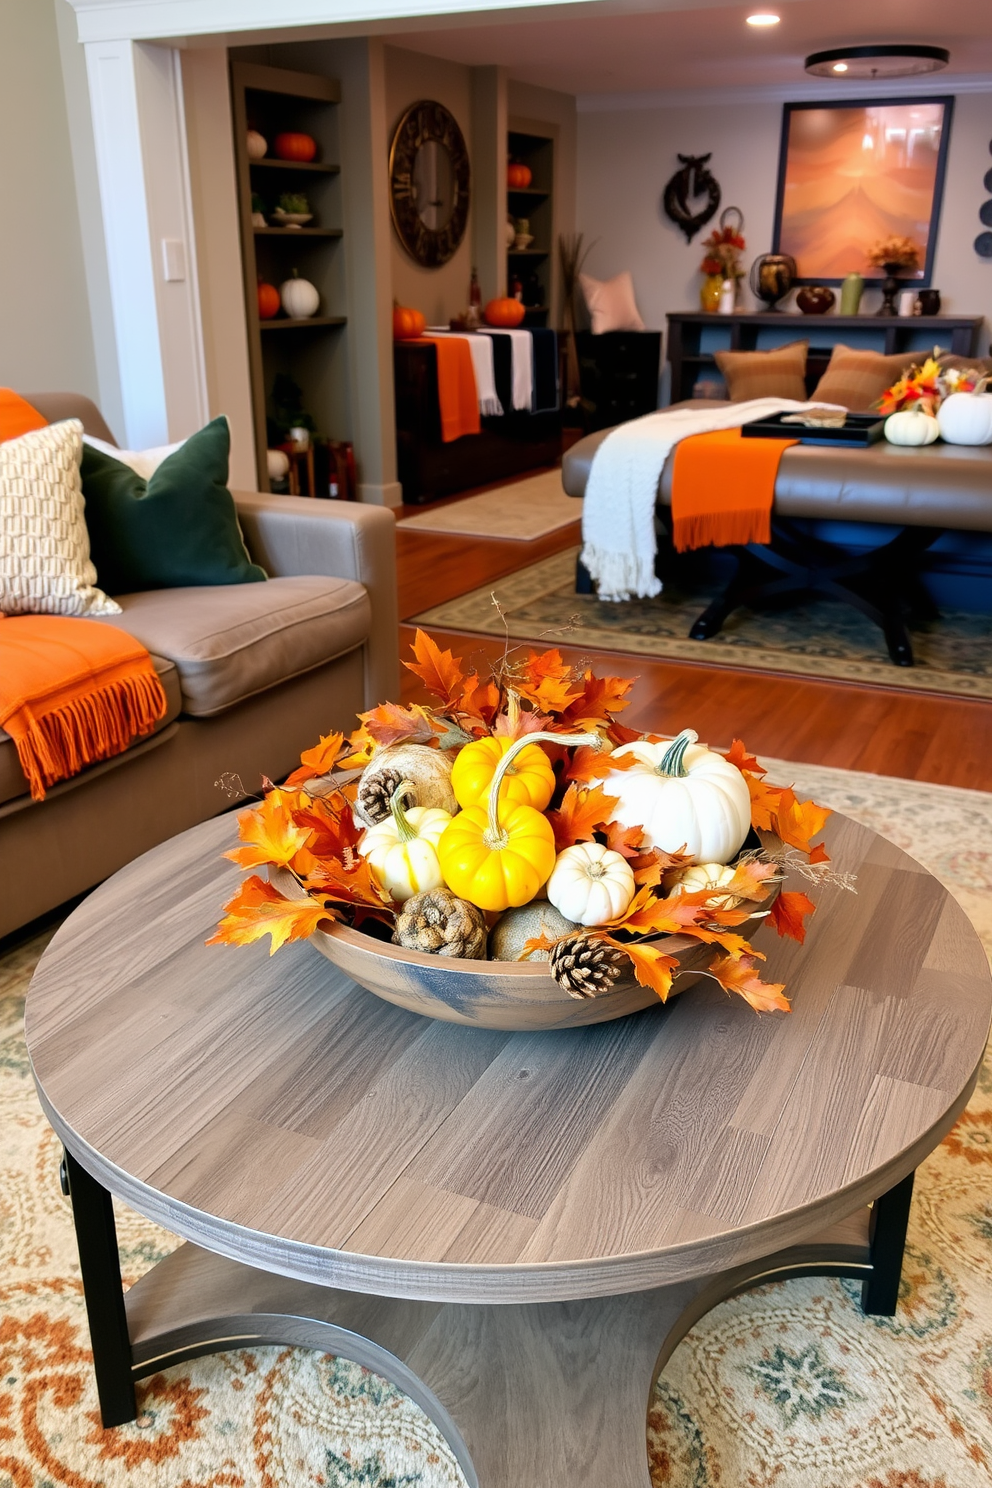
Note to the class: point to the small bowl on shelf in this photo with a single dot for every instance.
(290, 219)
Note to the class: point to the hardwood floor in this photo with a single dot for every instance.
(909, 734)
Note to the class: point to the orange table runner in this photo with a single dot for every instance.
(72, 692)
(456, 390)
(723, 486)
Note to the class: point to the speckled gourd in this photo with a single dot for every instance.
(428, 771)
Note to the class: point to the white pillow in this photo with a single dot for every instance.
(611, 303)
(45, 566)
(142, 462)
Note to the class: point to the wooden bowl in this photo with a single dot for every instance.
(521, 996)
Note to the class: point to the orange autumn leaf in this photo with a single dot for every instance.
(765, 802)
(270, 832)
(332, 832)
(542, 942)
(627, 841)
(600, 699)
(258, 909)
(320, 760)
(819, 854)
(740, 976)
(789, 912)
(752, 879)
(440, 672)
(618, 734)
(361, 748)
(652, 967)
(582, 811)
(477, 700)
(391, 724)
(738, 755)
(546, 681)
(797, 822)
(590, 763)
(348, 885)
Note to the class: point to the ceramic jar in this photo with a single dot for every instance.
(815, 299)
(850, 294)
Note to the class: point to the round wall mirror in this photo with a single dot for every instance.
(429, 183)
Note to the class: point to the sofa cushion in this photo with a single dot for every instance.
(857, 379)
(231, 641)
(13, 782)
(779, 373)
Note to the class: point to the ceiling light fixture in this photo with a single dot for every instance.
(763, 18)
(874, 62)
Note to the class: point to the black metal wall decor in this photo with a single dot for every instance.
(983, 243)
(684, 191)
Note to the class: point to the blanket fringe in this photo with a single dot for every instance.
(84, 730)
(722, 529)
(619, 575)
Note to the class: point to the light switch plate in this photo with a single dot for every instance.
(173, 259)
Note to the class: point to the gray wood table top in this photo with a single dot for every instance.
(271, 1111)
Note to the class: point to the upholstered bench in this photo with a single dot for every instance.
(916, 493)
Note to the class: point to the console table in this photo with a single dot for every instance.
(959, 334)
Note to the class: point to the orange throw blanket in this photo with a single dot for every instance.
(72, 692)
(723, 487)
(456, 389)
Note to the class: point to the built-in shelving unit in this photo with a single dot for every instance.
(532, 266)
(274, 100)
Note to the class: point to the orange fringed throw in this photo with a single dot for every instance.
(456, 390)
(723, 486)
(72, 692)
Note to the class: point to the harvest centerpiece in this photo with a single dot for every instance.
(515, 857)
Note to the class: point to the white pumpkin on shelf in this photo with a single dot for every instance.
(966, 418)
(257, 145)
(684, 797)
(911, 426)
(591, 884)
(300, 298)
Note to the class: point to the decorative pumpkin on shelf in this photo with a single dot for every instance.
(403, 848)
(591, 884)
(505, 314)
(257, 145)
(911, 426)
(685, 797)
(407, 324)
(518, 177)
(269, 302)
(301, 148)
(966, 418)
(300, 298)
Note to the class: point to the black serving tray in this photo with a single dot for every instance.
(857, 432)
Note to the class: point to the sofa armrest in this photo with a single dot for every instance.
(297, 535)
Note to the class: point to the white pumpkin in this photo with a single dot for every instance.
(705, 876)
(590, 884)
(910, 426)
(257, 145)
(966, 418)
(684, 796)
(299, 298)
(276, 463)
(402, 850)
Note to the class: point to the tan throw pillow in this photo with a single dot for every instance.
(857, 379)
(45, 566)
(780, 373)
(611, 303)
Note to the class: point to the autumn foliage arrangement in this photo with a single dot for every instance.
(520, 800)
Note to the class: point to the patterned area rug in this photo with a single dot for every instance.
(787, 1387)
(821, 639)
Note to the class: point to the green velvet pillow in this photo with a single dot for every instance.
(178, 528)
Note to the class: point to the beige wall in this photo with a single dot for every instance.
(626, 157)
(46, 341)
(411, 76)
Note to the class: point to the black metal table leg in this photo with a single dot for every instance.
(96, 1237)
(887, 1240)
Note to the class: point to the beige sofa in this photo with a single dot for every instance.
(253, 673)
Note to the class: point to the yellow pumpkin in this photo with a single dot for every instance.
(499, 855)
(529, 779)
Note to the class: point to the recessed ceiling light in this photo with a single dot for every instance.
(763, 18)
(873, 62)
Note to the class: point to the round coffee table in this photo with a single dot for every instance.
(515, 1228)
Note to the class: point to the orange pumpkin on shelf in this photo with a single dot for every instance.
(298, 147)
(407, 324)
(269, 303)
(504, 313)
(518, 177)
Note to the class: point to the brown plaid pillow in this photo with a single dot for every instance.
(780, 373)
(857, 379)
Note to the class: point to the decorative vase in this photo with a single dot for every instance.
(850, 295)
(815, 299)
(890, 288)
(728, 297)
(772, 276)
(709, 292)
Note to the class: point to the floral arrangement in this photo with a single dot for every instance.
(902, 252)
(723, 250)
(924, 387)
(445, 823)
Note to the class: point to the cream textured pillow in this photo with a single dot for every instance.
(611, 303)
(142, 462)
(45, 566)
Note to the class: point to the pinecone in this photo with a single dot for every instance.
(584, 966)
(438, 923)
(375, 791)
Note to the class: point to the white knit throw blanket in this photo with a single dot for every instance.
(618, 536)
(481, 349)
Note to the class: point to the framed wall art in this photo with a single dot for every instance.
(853, 173)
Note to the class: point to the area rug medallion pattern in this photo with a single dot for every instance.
(787, 1387)
(820, 639)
